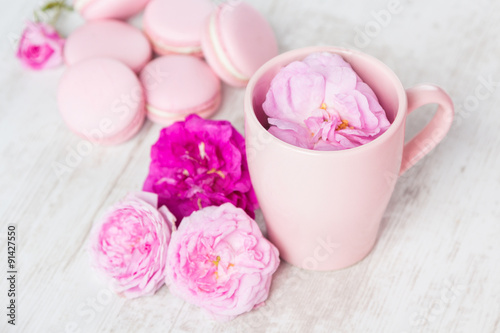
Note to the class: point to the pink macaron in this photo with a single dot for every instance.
(109, 9)
(236, 41)
(102, 100)
(108, 38)
(174, 27)
(178, 85)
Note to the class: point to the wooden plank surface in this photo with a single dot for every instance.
(436, 265)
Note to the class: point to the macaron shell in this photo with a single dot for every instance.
(111, 9)
(180, 84)
(101, 100)
(128, 132)
(214, 62)
(108, 38)
(168, 119)
(245, 37)
(176, 24)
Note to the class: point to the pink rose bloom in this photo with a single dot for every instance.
(321, 103)
(128, 246)
(198, 163)
(40, 46)
(219, 260)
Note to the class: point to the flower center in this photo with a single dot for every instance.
(220, 173)
(34, 51)
(343, 125)
(327, 117)
(201, 148)
(216, 263)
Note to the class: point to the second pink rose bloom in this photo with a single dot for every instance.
(321, 103)
(219, 260)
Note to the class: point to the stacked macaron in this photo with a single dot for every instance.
(174, 27)
(112, 84)
(100, 96)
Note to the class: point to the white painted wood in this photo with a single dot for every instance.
(435, 268)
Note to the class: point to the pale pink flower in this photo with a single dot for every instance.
(40, 46)
(321, 103)
(219, 260)
(128, 246)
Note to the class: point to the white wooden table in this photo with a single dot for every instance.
(435, 268)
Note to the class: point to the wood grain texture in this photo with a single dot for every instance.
(436, 265)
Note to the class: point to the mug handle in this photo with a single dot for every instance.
(435, 130)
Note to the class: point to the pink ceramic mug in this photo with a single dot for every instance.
(323, 208)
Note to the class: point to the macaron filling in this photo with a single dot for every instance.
(219, 51)
(175, 49)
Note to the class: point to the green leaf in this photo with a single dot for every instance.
(58, 4)
(51, 5)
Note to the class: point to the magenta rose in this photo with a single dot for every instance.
(219, 260)
(198, 163)
(321, 103)
(40, 46)
(128, 246)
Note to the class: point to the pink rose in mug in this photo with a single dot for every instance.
(321, 103)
